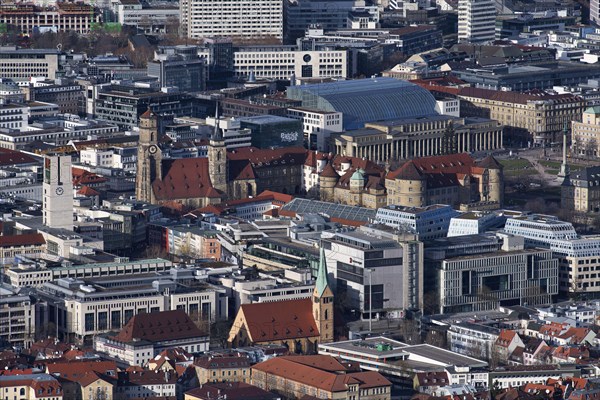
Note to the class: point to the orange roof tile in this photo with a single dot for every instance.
(280, 320)
(164, 325)
(293, 370)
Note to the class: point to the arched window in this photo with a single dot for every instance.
(326, 314)
(219, 156)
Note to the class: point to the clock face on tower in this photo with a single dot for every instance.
(59, 191)
(152, 149)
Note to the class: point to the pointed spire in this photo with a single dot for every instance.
(321, 283)
(217, 133)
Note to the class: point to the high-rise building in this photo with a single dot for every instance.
(595, 12)
(58, 192)
(329, 15)
(232, 18)
(179, 66)
(476, 20)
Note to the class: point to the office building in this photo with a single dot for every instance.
(82, 308)
(428, 222)
(62, 17)
(317, 126)
(56, 131)
(271, 131)
(475, 222)
(68, 97)
(595, 12)
(58, 192)
(378, 271)
(476, 21)
(150, 19)
(540, 230)
(22, 64)
(180, 67)
(14, 116)
(579, 255)
(37, 274)
(329, 15)
(123, 104)
(18, 318)
(537, 117)
(254, 19)
(542, 75)
(509, 276)
(286, 62)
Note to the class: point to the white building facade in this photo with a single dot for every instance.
(476, 21)
(284, 62)
(231, 18)
(318, 125)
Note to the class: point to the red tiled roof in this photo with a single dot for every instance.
(576, 335)
(244, 161)
(322, 362)
(505, 338)
(148, 114)
(516, 97)
(83, 177)
(184, 178)
(75, 370)
(329, 172)
(291, 155)
(223, 361)
(26, 239)
(88, 191)
(280, 320)
(432, 378)
(230, 391)
(290, 368)
(280, 197)
(154, 327)
(12, 157)
(437, 168)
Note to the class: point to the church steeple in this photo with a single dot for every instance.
(217, 158)
(149, 157)
(321, 284)
(323, 302)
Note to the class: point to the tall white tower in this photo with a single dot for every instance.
(476, 21)
(58, 192)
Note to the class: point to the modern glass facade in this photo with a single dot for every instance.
(270, 131)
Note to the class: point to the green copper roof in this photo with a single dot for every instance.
(321, 283)
(358, 175)
(593, 110)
